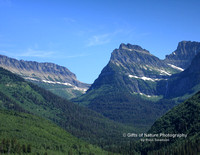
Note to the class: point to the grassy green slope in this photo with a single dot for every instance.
(17, 94)
(40, 135)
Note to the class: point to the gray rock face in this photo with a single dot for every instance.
(132, 47)
(186, 82)
(134, 68)
(132, 78)
(48, 72)
(134, 60)
(184, 54)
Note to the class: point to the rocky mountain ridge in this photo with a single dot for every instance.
(138, 69)
(136, 87)
(141, 72)
(183, 55)
(45, 73)
(186, 82)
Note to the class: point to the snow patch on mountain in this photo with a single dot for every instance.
(53, 82)
(144, 78)
(175, 67)
(66, 84)
(163, 72)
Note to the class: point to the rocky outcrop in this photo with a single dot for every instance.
(186, 82)
(44, 72)
(136, 87)
(134, 68)
(184, 54)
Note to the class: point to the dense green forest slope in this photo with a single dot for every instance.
(19, 95)
(23, 133)
(183, 119)
(136, 88)
(53, 77)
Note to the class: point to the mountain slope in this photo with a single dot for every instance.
(30, 134)
(182, 119)
(18, 94)
(184, 84)
(136, 87)
(51, 76)
(135, 69)
(126, 89)
(184, 54)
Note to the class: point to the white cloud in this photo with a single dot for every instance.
(77, 55)
(99, 39)
(3, 52)
(5, 3)
(36, 53)
(69, 20)
(145, 34)
(41, 54)
(29, 53)
(6, 44)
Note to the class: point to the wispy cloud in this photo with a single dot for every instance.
(36, 53)
(35, 20)
(69, 20)
(3, 52)
(7, 3)
(145, 34)
(41, 54)
(77, 55)
(6, 45)
(29, 53)
(99, 39)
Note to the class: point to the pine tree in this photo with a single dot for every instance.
(24, 149)
(29, 148)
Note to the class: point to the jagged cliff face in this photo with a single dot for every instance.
(184, 54)
(48, 73)
(136, 86)
(186, 82)
(134, 60)
(125, 85)
(135, 69)
(44, 71)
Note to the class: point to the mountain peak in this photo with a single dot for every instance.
(45, 71)
(183, 55)
(130, 47)
(187, 44)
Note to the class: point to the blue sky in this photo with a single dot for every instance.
(81, 34)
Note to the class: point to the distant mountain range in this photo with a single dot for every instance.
(135, 87)
(140, 72)
(184, 84)
(184, 54)
(18, 95)
(53, 77)
(135, 69)
(130, 95)
(134, 82)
